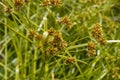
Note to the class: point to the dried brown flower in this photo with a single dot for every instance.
(26, 0)
(70, 60)
(8, 10)
(51, 31)
(97, 32)
(51, 3)
(91, 48)
(57, 36)
(54, 42)
(38, 36)
(32, 33)
(18, 3)
(65, 20)
(52, 50)
(63, 44)
(103, 41)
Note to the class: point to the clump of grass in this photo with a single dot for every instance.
(59, 39)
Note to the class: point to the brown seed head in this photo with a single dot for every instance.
(51, 31)
(32, 33)
(8, 10)
(51, 3)
(38, 36)
(65, 20)
(97, 31)
(52, 50)
(26, 1)
(103, 41)
(18, 2)
(70, 60)
(57, 36)
(91, 49)
(63, 44)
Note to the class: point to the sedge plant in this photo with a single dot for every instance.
(59, 40)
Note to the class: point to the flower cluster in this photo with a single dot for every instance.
(65, 20)
(97, 33)
(51, 3)
(52, 44)
(91, 49)
(115, 72)
(55, 41)
(32, 34)
(70, 60)
(19, 3)
(26, 0)
(8, 10)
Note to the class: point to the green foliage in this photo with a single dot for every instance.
(59, 40)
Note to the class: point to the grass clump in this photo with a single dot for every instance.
(59, 40)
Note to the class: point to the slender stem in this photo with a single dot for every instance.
(6, 53)
(113, 41)
(26, 59)
(2, 4)
(9, 27)
(34, 63)
(77, 46)
(42, 22)
(17, 72)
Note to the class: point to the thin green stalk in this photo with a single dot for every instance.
(17, 48)
(17, 77)
(113, 41)
(9, 27)
(26, 59)
(6, 56)
(42, 22)
(34, 64)
(78, 67)
(8, 69)
(76, 46)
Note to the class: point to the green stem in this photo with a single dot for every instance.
(34, 63)
(77, 46)
(6, 56)
(16, 32)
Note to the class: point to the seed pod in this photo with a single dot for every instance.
(97, 32)
(91, 49)
(70, 60)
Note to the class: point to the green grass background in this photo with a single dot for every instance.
(23, 60)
